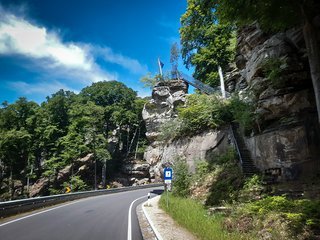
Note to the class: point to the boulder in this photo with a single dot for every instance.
(39, 188)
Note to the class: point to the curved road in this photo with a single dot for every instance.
(102, 217)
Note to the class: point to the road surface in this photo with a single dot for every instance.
(103, 217)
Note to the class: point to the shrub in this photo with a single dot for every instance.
(243, 113)
(273, 69)
(169, 130)
(227, 181)
(182, 179)
(202, 112)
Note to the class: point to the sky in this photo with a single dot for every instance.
(48, 45)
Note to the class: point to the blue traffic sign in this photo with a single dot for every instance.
(167, 174)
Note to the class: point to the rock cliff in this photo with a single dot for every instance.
(166, 96)
(271, 71)
(286, 143)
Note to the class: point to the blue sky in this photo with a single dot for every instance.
(69, 44)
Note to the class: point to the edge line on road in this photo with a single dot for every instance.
(129, 237)
(37, 213)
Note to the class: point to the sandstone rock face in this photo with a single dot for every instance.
(137, 170)
(200, 147)
(287, 141)
(287, 151)
(166, 96)
(290, 92)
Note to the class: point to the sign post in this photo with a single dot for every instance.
(167, 173)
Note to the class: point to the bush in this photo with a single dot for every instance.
(182, 179)
(77, 184)
(202, 112)
(252, 189)
(169, 130)
(227, 181)
(300, 214)
(243, 113)
(273, 69)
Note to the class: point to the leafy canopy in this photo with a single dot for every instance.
(206, 44)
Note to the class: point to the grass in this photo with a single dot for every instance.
(193, 216)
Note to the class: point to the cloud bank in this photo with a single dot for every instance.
(75, 61)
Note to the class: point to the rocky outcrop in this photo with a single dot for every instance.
(166, 96)
(285, 143)
(290, 91)
(199, 147)
(81, 167)
(136, 172)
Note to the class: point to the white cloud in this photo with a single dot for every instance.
(75, 60)
(43, 88)
(132, 65)
(18, 36)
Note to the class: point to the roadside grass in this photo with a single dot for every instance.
(193, 216)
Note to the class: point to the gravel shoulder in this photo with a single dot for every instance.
(156, 224)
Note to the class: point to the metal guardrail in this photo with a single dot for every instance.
(19, 206)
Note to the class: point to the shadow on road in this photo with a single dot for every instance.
(157, 191)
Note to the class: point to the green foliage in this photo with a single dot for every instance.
(181, 178)
(243, 113)
(148, 81)
(202, 169)
(77, 184)
(202, 112)
(269, 14)
(227, 183)
(300, 213)
(41, 140)
(206, 44)
(169, 130)
(273, 68)
(252, 189)
(109, 93)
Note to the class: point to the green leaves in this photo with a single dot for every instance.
(206, 44)
(202, 112)
(41, 140)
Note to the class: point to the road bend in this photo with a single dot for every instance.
(103, 217)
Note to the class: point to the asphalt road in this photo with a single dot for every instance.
(102, 217)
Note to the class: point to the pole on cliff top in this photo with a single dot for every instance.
(160, 64)
(223, 91)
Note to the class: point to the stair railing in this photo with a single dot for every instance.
(234, 139)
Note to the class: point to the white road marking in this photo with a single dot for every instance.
(129, 218)
(34, 214)
(158, 236)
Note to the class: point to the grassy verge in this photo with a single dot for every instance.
(193, 216)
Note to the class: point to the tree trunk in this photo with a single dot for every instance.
(103, 173)
(135, 154)
(11, 185)
(313, 50)
(132, 140)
